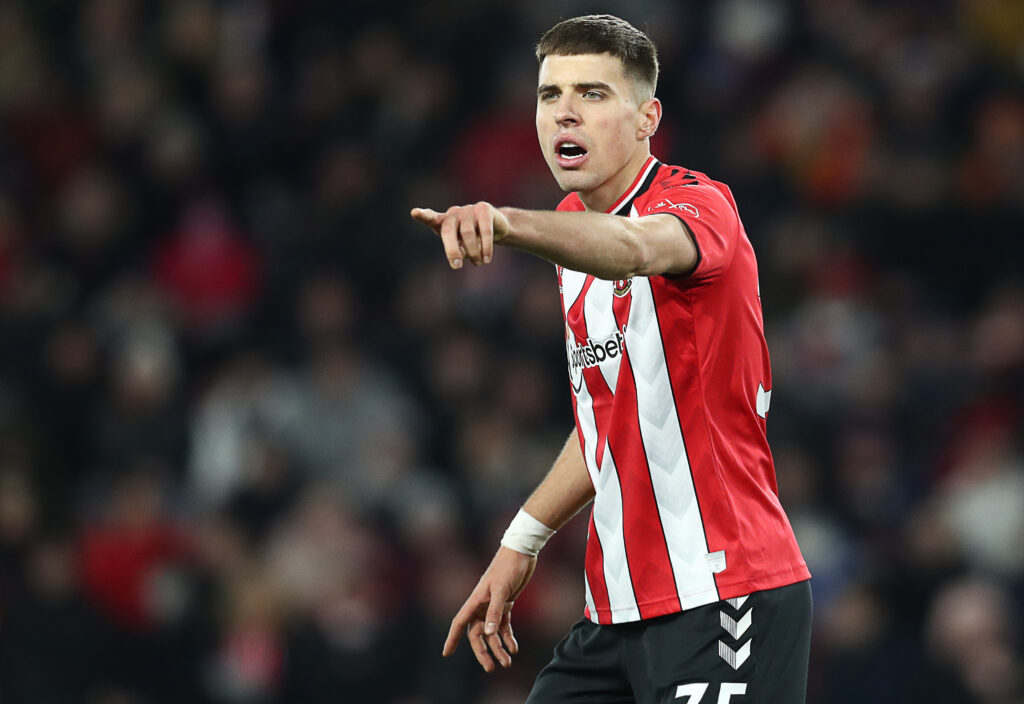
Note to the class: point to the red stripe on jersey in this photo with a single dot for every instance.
(595, 573)
(642, 525)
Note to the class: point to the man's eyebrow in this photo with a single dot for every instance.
(593, 85)
(581, 87)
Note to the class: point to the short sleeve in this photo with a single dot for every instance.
(709, 214)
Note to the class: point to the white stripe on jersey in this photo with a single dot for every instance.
(608, 523)
(572, 284)
(666, 452)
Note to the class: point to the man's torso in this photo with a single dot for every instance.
(671, 384)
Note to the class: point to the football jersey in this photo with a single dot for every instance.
(671, 386)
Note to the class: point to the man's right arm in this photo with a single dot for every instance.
(486, 615)
(607, 246)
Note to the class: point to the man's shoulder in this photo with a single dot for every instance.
(670, 176)
(570, 204)
(671, 182)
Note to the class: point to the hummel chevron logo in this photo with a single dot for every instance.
(735, 658)
(738, 602)
(737, 628)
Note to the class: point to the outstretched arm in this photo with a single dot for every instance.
(607, 246)
(486, 615)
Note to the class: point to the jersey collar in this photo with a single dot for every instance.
(626, 199)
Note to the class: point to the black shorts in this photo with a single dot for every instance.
(751, 650)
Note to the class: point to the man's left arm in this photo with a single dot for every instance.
(608, 246)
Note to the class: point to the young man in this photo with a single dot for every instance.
(695, 588)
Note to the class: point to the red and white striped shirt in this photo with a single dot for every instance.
(671, 384)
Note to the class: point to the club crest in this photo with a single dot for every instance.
(622, 286)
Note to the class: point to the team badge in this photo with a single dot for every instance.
(622, 287)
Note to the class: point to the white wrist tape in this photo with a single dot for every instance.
(526, 534)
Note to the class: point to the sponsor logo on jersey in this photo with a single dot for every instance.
(666, 204)
(591, 353)
(622, 286)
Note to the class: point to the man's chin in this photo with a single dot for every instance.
(571, 180)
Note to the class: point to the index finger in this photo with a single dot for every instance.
(459, 624)
(426, 215)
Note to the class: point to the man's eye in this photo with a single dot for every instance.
(592, 95)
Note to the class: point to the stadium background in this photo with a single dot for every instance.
(257, 442)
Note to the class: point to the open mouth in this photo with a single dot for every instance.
(569, 152)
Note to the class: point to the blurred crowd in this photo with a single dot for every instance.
(257, 442)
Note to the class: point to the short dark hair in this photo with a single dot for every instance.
(605, 34)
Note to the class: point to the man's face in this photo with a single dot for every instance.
(592, 129)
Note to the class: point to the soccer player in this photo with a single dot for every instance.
(695, 588)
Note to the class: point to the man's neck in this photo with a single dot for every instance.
(608, 193)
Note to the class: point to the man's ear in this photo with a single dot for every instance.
(650, 118)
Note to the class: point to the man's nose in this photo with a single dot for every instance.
(565, 111)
